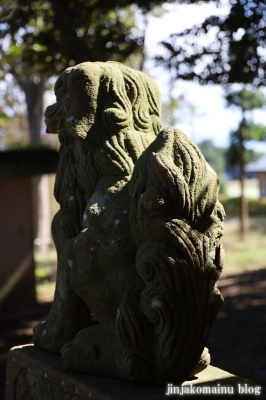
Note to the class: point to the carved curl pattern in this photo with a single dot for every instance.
(135, 336)
(177, 222)
(179, 299)
(114, 112)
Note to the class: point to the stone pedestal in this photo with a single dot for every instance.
(36, 375)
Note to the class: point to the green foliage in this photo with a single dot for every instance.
(235, 153)
(245, 99)
(222, 49)
(257, 207)
(48, 36)
(223, 185)
(171, 110)
(13, 130)
(256, 132)
(215, 156)
(39, 39)
(29, 146)
(4, 118)
(232, 205)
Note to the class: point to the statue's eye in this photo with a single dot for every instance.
(152, 200)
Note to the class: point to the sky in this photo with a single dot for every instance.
(212, 120)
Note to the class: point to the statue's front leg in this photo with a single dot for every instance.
(69, 313)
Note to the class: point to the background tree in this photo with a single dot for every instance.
(13, 120)
(232, 49)
(225, 49)
(238, 154)
(171, 110)
(40, 38)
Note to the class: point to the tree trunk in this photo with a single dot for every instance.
(34, 99)
(143, 54)
(243, 202)
(40, 188)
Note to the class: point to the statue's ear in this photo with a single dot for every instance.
(55, 112)
(83, 84)
(51, 118)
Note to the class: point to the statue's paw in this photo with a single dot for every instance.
(51, 337)
(204, 361)
(93, 351)
(80, 356)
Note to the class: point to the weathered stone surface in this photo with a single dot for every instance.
(33, 374)
(137, 233)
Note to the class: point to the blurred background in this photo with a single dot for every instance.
(208, 59)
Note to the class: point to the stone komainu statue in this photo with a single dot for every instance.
(136, 235)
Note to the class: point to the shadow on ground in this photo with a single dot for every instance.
(15, 330)
(237, 342)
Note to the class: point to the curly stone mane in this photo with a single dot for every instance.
(176, 220)
(115, 113)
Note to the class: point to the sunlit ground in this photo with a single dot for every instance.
(45, 274)
(246, 255)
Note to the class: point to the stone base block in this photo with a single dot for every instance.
(33, 374)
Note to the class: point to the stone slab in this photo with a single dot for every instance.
(33, 374)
